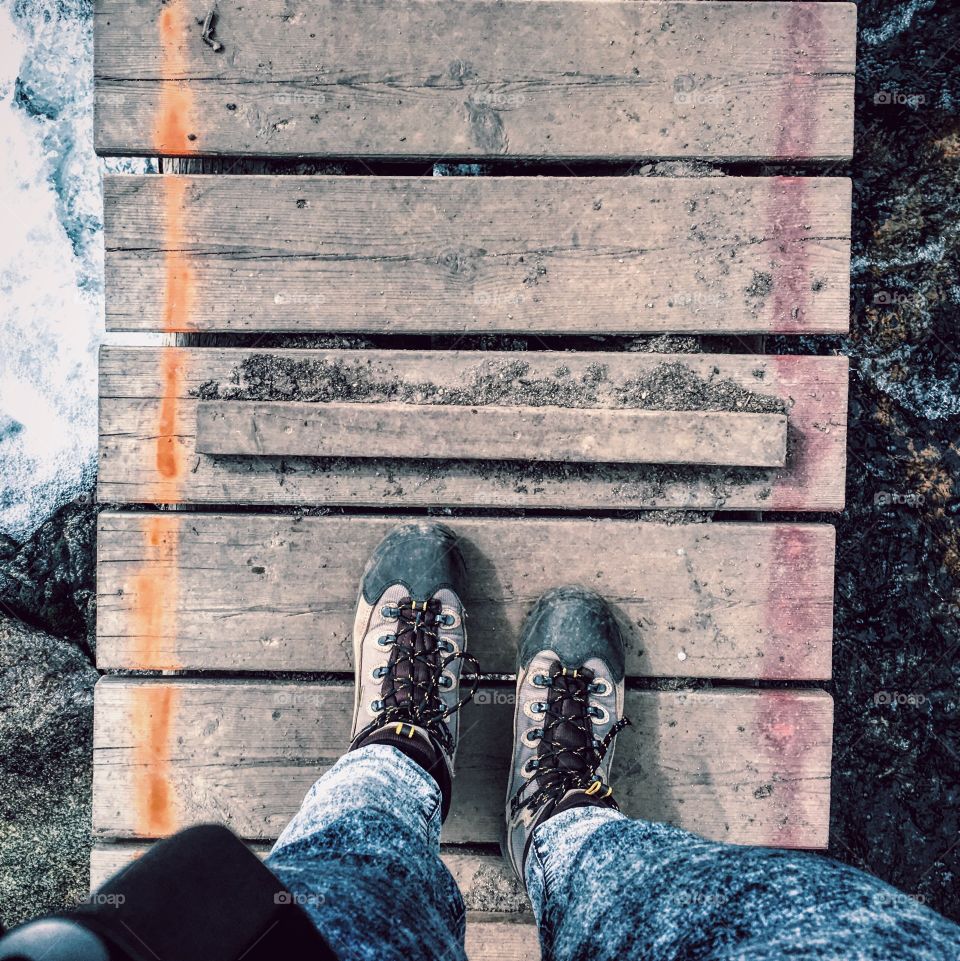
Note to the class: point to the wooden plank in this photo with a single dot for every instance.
(749, 767)
(248, 592)
(304, 429)
(504, 936)
(530, 255)
(148, 412)
(502, 939)
(574, 79)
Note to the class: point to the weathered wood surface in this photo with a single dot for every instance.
(544, 255)
(569, 79)
(148, 414)
(502, 935)
(749, 767)
(305, 429)
(248, 592)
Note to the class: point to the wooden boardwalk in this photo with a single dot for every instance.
(249, 467)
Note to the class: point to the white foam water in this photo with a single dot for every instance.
(51, 259)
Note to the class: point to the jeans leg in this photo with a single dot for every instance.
(362, 856)
(607, 888)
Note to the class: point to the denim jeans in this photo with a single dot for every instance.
(363, 858)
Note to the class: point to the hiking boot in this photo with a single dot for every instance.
(409, 648)
(569, 709)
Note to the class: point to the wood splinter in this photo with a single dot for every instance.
(209, 25)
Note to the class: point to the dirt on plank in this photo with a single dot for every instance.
(668, 386)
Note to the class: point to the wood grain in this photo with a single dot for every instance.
(574, 79)
(749, 767)
(531, 255)
(248, 592)
(304, 429)
(148, 412)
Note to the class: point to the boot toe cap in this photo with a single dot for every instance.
(576, 623)
(424, 557)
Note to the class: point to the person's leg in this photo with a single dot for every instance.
(607, 887)
(362, 856)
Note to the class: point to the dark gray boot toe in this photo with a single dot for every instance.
(424, 557)
(578, 624)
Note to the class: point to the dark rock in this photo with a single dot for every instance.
(896, 781)
(46, 724)
(49, 581)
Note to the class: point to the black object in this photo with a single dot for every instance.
(200, 895)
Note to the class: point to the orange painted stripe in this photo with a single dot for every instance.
(177, 308)
(155, 593)
(173, 133)
(169, 454)
(179, 285)
(152, 715)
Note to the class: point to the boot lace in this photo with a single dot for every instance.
(414, 675)
(569, 755)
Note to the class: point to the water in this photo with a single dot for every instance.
(51, 259)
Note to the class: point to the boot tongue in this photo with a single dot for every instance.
(567, 724)
(414, 658)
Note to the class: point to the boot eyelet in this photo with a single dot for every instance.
(542, 680)
(531, 766)
(376, 706)
(601, 687)
(600, 714)
(379, 672)
(390, 612)
(449, 618)
(448, 647)
(447, 680)
(386, 640)
(533, 709)
(533, 735)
